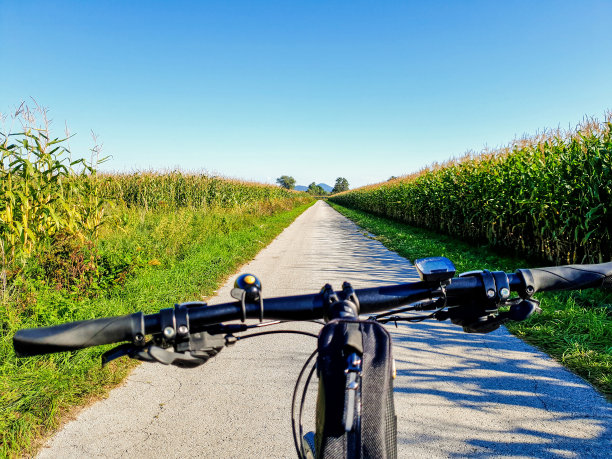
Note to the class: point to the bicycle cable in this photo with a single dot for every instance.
(299, 447)
(273, 332)
(306, 384)
(385, 320)
(277, 322)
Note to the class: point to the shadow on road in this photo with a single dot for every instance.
(497, 395)
(361, 262)
(466, 395)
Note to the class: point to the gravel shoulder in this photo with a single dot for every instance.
(457, 395)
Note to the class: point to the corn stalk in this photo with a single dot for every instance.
(549, 197)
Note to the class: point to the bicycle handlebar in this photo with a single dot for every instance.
(78, 335)
(571, 277)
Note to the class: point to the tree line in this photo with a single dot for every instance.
(288, 182)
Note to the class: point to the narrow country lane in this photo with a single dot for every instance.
(457, 395)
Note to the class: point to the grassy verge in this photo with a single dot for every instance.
(174, 256)
(575, 327)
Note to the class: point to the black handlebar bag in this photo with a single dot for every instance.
(355, 410)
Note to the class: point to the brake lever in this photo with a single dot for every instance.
(116, 352)
(153, 353)
(132, 351)
(523, 309)
(197, 349)
(182, 359)
(520, 309)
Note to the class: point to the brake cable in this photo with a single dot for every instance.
(273, 332)
(385, 320)
(306, 384)
(438, 303)
(299, 447)
(231, 339)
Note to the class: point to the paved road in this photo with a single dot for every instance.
(457, 395)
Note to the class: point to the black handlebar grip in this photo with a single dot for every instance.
(77, 335)
(570, 277)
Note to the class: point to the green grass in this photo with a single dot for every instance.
(173, 257)
(575, 328)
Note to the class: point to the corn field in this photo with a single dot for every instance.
(549, 196)
(46, 198)
(153, 190)
(42, 195)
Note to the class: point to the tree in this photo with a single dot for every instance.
(286, 181)
(316, 190)
(342, 184)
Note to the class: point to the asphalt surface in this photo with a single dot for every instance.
(456, 394)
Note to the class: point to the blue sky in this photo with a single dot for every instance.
(312, 89)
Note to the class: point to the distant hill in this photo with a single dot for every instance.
(325, 186)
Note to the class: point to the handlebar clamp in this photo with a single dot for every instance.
(496, 287)
(480, 315)
(342, 305)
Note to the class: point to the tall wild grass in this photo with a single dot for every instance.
(52, 207)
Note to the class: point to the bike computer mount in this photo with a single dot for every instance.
(435, 269)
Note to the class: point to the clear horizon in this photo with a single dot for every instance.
(317, 90)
